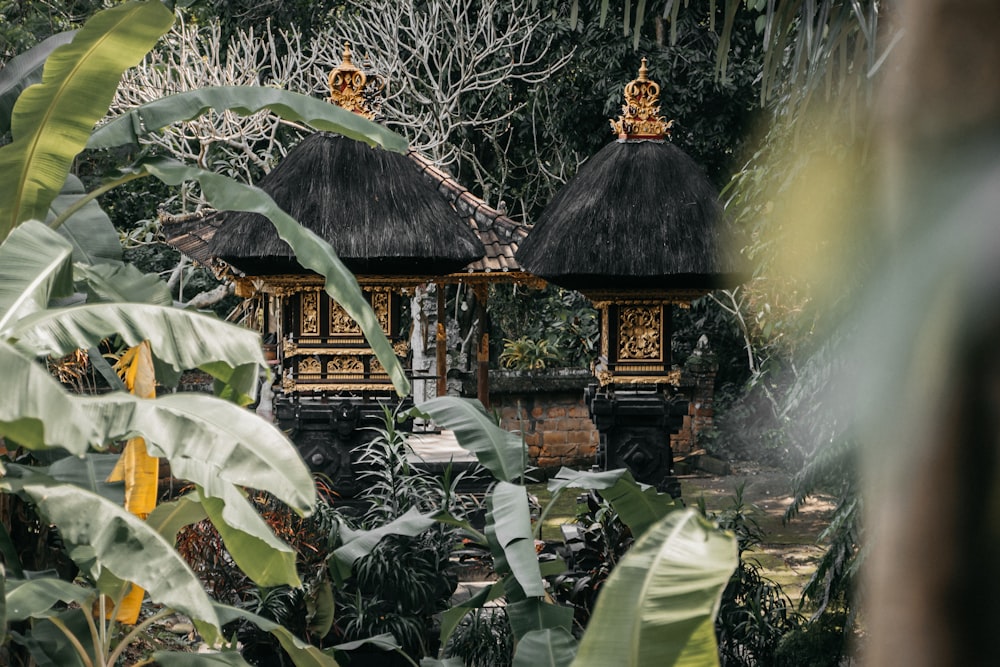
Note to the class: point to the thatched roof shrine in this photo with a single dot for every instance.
(640, 214)
(371, 205)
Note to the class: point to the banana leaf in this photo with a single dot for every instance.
(508, 529)
(52, 121)
(187, 659)
(311, 251)
(121, 543)
(553, 647)
(90, 230)
(658, 606)
(242, 100)
(180, 339)
(497, 449)
(34, 269)
(35, 598)
(168, 518)
(25, 70)
(122, 283)
(249, 540)
(638, 505)
(301, 653)
(358, 543)
(532, 614)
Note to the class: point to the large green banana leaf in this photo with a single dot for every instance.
(638, 505)
(121, 283)
(301, 653)
(90, 230)
(168, 518)
(551, 647)
(94, 528)
(244, 100)
(311, 251)
(25, 70)
(358, 543)
(52, 121)
(34, 268)
(531, 614)
(40, 414)
(508, 530)
(249, 540)
(34, 598)
(201, 435)
(658, 606)
(186, 659)
(498, 450)
(179, 339)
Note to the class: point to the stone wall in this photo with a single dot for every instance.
(548, 408)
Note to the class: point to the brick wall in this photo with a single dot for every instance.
(548, 409)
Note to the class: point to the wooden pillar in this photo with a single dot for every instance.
(481, 290)
(441, 343)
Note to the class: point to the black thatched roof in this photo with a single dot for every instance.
(371, 205)
(639, 214)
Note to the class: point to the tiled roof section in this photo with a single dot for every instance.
(500, 235)
(192, 234)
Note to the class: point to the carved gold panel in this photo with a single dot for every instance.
(345, 365)
(377, 367)
(380, 304)
(310, 366)
(341, 323)
(640, 330)
(309, 313)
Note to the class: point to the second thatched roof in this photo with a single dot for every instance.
(638, 214)
(371, 205)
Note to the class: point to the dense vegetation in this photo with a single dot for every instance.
(766, 99)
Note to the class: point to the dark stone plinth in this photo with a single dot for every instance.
(635, 428)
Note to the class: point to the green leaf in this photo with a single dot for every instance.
(180, 339)
(548, 648)
(638, 505)
(52, 121)
(34, 268)
(122, 543)
(249, 540)
(452, 616)
(243, 100)
(497, 449)
(533, 614)
(188, 659)
(43, 415)
(121, 283)
(508, 529)
(301, 653)
(310, 250)
(49, 647)
(89, 472)
(8, 552)
(358, 543)
(34, 598)
(321, 608)
(89, 230)
(659, 604)
(25, 70)
(208, 439)
(167, 519)
(383, 642)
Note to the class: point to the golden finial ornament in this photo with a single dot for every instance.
(641, 117)
(353, 89)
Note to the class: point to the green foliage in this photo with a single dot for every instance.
(483, 639)
(542, 329)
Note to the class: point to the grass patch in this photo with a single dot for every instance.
(563, 511)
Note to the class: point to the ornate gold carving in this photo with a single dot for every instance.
(672, 378)
(340, 322)
(377, 367)
(380, 304)
(340, 387)
(310, 366)
(291, 348)
(352, 89)
(351, 365)
(639, 332)
(309, 313)
(401, 348)
(641, 117)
